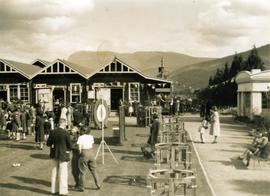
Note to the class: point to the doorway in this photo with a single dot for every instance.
(116, 95)
(3, 95)
(59, 95)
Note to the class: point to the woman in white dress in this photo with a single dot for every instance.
(215, 124)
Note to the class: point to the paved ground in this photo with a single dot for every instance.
(128, 178)
(227, 175)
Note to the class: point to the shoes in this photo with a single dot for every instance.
(202, 142)
(79, 189)
(214, 142)
(98, 187)
(55, 193)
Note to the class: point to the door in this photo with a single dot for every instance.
(44, 96)
(3, 94)
(116, 96)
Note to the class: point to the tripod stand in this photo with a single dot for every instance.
(101, 117)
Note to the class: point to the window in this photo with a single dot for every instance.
(134, 92)
(13, 91)
(24, 93)
(112, 66)
(49, 69)
(55, 67)
(265, 100)
(2, 66)
(8, 68)
(67, 69)
(61, 67)
(119, 67)
(75, 93)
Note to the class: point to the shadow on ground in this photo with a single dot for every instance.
(256, 187)
(40, 156)
(113, 141)
(137, 158)
(238, 164)
(27, 188)
(19, 146)
(32, 180)
(127, 180)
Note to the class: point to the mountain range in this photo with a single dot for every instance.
(186, 70)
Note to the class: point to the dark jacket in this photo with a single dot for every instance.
(154, 131)
(59, 141)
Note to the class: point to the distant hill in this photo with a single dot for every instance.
(187, 70)
(147, 62)
(197, 75)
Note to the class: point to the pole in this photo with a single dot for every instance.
(103, 142)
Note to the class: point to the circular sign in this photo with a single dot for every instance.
(101, 113)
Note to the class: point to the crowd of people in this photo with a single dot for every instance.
(66, 130)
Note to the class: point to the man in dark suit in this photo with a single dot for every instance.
(59, 141)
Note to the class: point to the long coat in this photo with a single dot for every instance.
(39, 128)
(215, 124)
(154, 131)
(59, 141)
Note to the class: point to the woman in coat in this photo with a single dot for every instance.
(39, 128)
(215, 124)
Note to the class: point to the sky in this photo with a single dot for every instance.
(51, 29)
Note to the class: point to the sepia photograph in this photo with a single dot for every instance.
(135, 97)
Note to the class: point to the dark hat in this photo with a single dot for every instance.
(155, 115)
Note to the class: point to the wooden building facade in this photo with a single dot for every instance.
(63, 81)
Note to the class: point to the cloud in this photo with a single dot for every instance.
(55, 28)
(226, 21)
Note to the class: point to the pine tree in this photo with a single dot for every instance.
(236, 65)
(210, 81)
(226, 72)
(254, 61)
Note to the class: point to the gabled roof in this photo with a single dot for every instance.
(27, 70)
(74, 68)
(100, 60)
(44, 62)
(98, 69)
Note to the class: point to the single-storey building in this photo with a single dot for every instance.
(253, 95)
(64, 81)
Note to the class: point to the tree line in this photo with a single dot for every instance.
(222, 88)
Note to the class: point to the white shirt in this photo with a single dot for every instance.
(85, 142)
(64, 113)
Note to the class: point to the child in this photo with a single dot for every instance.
(202, 129)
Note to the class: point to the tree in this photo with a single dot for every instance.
(226, 72)
(236, 65)
(253, 61)
(218, 76)
(210, 81)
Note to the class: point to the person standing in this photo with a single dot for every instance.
(215, 124)
(60, 147)
(69, 116)
(75, 132)
(87, 157)
(39, 129)
(153, 137)
(202, 129)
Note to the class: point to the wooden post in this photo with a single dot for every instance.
(122, 125)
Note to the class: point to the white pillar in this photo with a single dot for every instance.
(256, 103)
(238, 103)
(242, 104)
